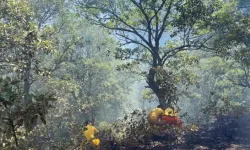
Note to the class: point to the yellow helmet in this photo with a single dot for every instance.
(169, 112)
(96, 142)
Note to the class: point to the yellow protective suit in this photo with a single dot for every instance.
(89, 133)
(154, 115)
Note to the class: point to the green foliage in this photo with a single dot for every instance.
(21, 45)
(216, 92)
(134, 132)
(82, 76)
(14, 115)
(181, 65)
(20, 37)
(190, 23)
(46, 11)
(147, 95)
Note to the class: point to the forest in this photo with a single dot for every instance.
(68, 65)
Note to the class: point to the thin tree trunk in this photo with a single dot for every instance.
(14, 132)
(27, 82)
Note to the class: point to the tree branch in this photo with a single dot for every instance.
(246, 73)
(164, 21)
(147, 20)
(133, 41)
(175, 50)
(14, 132)
(239, 84)
(133, 30)
(157, 11)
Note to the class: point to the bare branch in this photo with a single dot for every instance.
(147, 20)
(157, 11)
(186, 47)
(47, 14)
(129, 41)
(165, 20)
(131, 29)
(174, 52)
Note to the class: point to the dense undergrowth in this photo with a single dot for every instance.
(133, 132)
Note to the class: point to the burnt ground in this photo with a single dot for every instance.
(229, 133)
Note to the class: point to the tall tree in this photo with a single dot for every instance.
(183, 24)
(21, 45)
(46, 11)
(236, 37)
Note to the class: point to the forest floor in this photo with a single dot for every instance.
(229, 133)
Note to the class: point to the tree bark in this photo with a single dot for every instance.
(162, 99)
(155, 87)
(161, 92)
(26, 81)
(14, 132)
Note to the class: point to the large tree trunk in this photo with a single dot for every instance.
(155, 87)
(161, 98)
(161, 91)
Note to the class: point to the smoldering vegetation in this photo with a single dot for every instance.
(111, 62)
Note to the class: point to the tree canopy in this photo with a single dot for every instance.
(185, 24)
